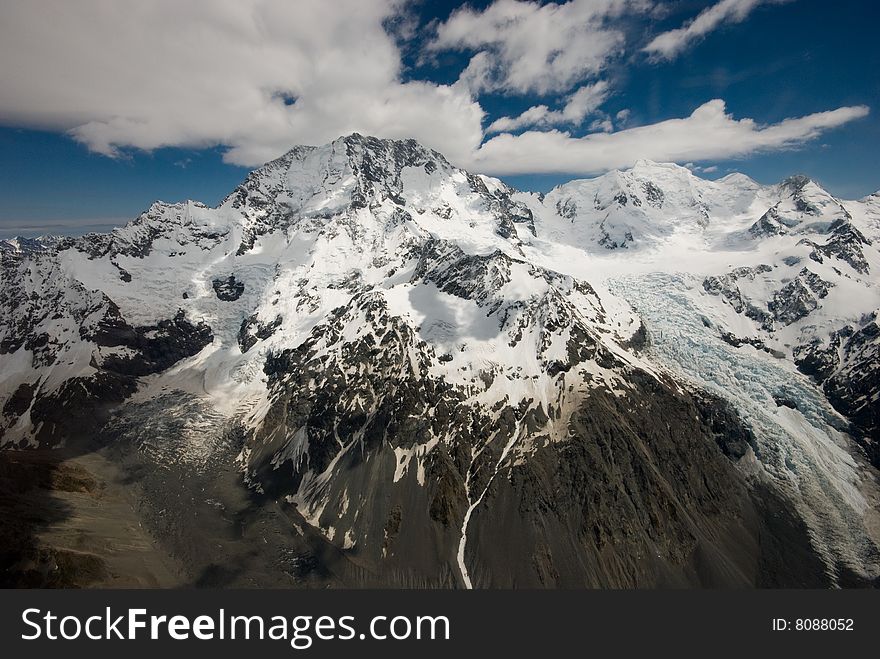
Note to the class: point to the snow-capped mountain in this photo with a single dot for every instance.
(433, 379)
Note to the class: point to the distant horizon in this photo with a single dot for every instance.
(46, 227)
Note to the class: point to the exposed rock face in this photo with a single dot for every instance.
(798, 298)
(792, 302)
(253, 331)
(853, 388)
(587, 511)
(369, 367)
(737, 341)
(771, 223)
(228, 289)
(727, 287)
(848, 367)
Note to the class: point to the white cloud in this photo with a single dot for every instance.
(537, 115)
(131, 73)
(605, 125)
(580, 104)
(670, 44)
(698, 169)
(585, 101)
(528, 47)
(259, 76)
(709, 133)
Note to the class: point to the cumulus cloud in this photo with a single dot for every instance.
(256, 76)
(580, 104)
(623, 116)
(699, 169)
(605, 125)
(259, 76)
(670, 44)
(529, 47)
(709, 133)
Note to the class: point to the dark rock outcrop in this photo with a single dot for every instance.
(228, 289)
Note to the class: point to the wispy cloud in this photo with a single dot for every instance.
(577, 107)
(528, 47)
(709, 133)
(669, 45)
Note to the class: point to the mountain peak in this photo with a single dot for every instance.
(796, 183)
(659, 172)
(402, 153)
(647, 165)
(739, 178)
(305, 171)
(359, 147)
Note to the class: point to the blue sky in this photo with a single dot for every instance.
(95, 129)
